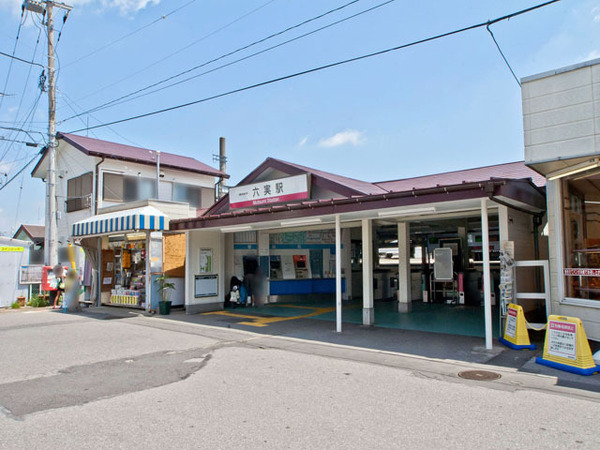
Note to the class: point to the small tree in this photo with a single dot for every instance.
(164, 286)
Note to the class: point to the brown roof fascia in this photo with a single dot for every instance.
(81, 148)
(343, 205)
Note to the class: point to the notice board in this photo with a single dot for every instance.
(206, 285)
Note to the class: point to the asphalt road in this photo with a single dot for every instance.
(89, 382)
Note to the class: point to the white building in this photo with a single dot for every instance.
(100, 182)
(561, 118)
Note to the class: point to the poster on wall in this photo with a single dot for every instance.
(206, 260)
(156, 252)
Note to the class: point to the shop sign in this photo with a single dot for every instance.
(268, 192)
(581, 272)
(562, 339)
(12, 249)
(511, 323)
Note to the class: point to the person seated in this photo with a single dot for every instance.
(234, 296)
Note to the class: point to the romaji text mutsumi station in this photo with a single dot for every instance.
(420, 253)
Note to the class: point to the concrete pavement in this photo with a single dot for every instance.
(156, 382)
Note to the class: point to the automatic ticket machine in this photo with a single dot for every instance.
(301, 267)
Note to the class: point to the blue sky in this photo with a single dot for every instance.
(440, 106)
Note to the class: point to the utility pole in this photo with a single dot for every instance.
(221, 158)
(51, 236)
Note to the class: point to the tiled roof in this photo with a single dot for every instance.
(515, 170)
(97, 147)
(361, 186)
(33, 231)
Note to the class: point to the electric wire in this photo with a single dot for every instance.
(13, 54)
(27, 79)
(503, 57)
(324, 67)
(121, 100)
(170, 55)
(131, 33)
(20, 170)
(16, 58)
(72, 104)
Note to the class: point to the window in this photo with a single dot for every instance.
(188, 194)
(122, 188)
(79, 190)
(112, 187)
(581, 206)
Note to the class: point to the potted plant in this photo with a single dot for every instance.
(164, 287)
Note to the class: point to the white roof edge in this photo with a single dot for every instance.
(145, 210)
(581, 65)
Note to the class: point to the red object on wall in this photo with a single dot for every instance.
(49, 279)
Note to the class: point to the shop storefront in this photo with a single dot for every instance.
(562, 142)
(128, 249)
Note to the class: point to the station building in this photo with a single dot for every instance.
(366, 252)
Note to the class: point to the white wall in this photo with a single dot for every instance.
(199, 239)
(72, 163)
(561, 113)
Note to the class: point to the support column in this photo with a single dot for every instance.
(367, 272)
(338, 275)
(347, 262)
(404, 277)
(487, 285)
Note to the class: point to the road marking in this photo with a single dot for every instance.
(257, 321)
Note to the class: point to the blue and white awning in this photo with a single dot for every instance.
(135, 219)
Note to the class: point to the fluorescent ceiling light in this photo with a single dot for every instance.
(235, 229)
(407, 212)
(577, 168)
(307, 221)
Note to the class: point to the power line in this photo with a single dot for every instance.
(503, 57)
(122, 100)
(16, 58)
(326, 66)
(21, 170)
(170, 55)
(13, 54)
(245, 47)
(131, 33)
(26, 83)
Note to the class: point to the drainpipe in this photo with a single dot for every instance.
(97, 175)
(99, 239)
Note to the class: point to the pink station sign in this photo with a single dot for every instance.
(270, 191)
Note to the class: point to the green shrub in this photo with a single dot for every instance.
(38, 302)
(15, 305)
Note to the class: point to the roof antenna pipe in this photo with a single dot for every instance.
(222, 159)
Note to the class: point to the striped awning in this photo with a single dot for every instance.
(135, 219)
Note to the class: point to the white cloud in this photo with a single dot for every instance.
(594, 54)
(125, 7)
(303, 141)
(5, 168)
(352, 137)
(129, 6)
